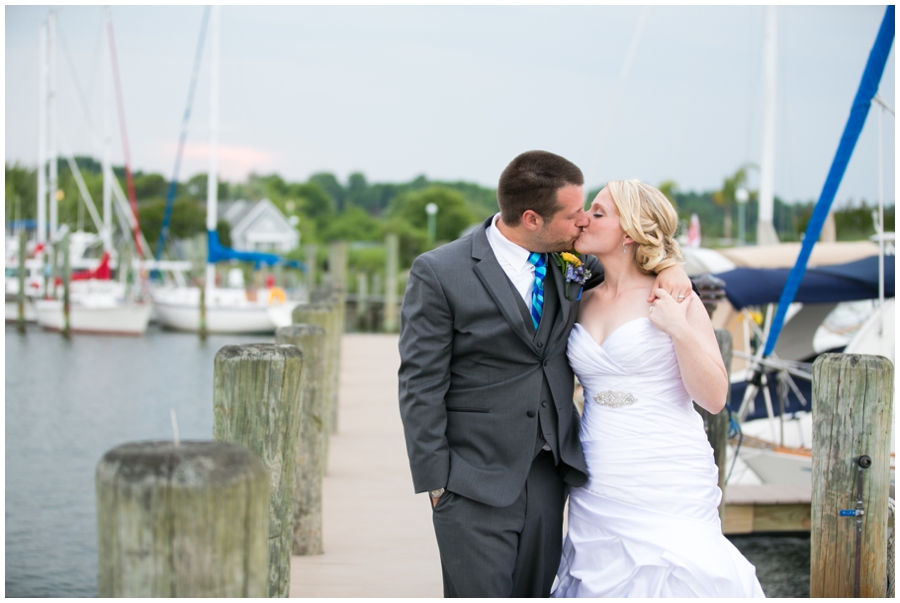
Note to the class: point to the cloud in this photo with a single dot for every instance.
(235, 162)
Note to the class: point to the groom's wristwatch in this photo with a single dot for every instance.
(436, 493)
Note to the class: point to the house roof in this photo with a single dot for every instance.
(243, 215)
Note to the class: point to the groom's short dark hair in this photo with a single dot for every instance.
(531, 181)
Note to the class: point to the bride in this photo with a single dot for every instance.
(646, 523)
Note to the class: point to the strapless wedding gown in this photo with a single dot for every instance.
(646, 523)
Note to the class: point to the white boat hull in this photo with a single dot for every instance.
(117, 319)
(12, 311)
(227, 311)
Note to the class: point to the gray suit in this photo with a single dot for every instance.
(482, 396)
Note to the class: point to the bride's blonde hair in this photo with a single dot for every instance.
(647, 216)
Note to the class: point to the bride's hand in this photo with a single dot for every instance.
(667, 314)
(675, 280)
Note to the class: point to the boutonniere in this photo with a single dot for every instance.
(573, 269)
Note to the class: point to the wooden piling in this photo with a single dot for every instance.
(392, 245)
(311, 448)
(852, 400)
(256, 402)
(201, 327)
(66, 274)
(310, 262)
(717, 425)
(325, 315)
(20, 296)
(187, 520)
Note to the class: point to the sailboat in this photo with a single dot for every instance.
(225, 310)
(783, 454)
(98, 304)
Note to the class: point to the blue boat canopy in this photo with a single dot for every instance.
(826, 284)
(216, 252)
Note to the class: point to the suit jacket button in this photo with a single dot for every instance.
(546, 362)
(530, 414)
(544, 403)
(540, 344)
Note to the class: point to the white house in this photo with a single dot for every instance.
(259, 226)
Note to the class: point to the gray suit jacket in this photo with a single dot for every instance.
(471, 375)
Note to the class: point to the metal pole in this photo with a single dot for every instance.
(107, 138)
(42, 138)
(765, 230)
(212, 180)
(51, 125)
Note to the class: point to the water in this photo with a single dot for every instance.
(781, 560)
(67, 404)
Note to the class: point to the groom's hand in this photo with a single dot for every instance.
(434, 500)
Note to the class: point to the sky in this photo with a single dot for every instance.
(455, 92)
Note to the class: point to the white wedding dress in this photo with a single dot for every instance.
(646, 523)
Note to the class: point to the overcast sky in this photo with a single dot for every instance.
(455, 93)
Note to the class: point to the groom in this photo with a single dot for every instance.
(486, 388)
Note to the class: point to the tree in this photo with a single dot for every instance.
(147, 186)
(668, 188)
(354, 224)
(453, 214)
(725, 196)
(331, 186)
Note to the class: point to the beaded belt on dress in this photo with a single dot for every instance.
(614, 398)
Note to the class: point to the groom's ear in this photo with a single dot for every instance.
(532, 220)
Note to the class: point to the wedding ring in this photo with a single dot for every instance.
(680, 297)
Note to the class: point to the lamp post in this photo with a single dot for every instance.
(431, 209)
(741, 196)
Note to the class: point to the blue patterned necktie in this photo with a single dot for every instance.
(539, 261)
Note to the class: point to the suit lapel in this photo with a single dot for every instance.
(565, 306)
(498, 286)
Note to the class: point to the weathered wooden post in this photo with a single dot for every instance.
(201, 327)
(311, 448)
(852, 400)
(187, 520)
(392, 245)
(711, 290)
(362, 300)
(256, 402)
(66, 305)
(324, 315)
(310, 261)
(20, 295)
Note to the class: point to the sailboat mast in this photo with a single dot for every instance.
(51, 124)
(212, 188)
(42, 137)
(765, 228)
(107, 135)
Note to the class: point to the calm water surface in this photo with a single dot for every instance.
(67, 404)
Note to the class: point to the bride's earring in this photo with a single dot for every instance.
(624, 248)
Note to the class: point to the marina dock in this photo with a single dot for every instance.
(378, 537)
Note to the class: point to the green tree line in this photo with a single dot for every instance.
(327, 209)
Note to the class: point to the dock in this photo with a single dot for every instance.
(767, 508)
(377, 534)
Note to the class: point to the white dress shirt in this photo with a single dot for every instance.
(514, 261)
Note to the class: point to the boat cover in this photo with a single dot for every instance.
(826, 284)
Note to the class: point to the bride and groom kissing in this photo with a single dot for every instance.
(492, 327)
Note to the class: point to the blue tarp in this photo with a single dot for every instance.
(827, 284)
(216, 252)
